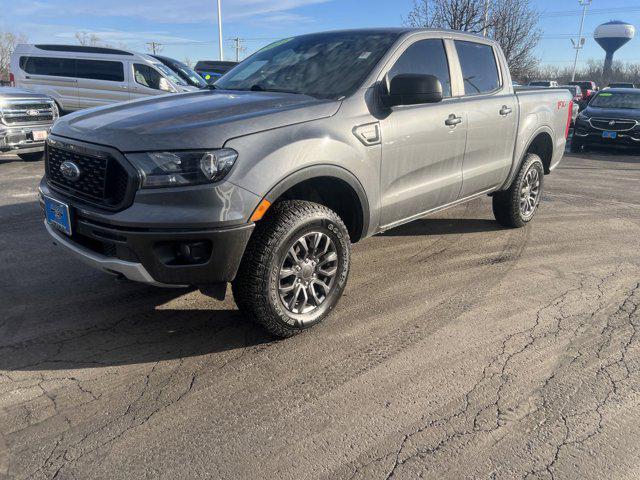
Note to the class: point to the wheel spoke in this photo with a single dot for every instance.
(328, 273)
(293, 254)
(314, 294)
(322, 285)
(331, 257)
(294, 299)
(286, 272)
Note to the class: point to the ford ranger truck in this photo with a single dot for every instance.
(311, 144)
(25, 120)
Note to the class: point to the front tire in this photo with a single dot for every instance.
(518, 205)
(32, 157)
(294, 269)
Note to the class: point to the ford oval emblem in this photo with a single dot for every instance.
(70, 171)
(612, 123)
(33, 112)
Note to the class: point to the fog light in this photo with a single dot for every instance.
(192, 252)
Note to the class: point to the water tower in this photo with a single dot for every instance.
(611, 36)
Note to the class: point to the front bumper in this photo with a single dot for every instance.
(20, 139)
(587, 135)
(152, 252)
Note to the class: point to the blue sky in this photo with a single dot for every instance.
(187, 28)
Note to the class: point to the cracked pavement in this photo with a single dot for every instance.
(460, 350)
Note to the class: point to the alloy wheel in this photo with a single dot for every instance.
(308, 272)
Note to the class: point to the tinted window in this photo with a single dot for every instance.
(100, 70)
(426, 57)
(479, 68)
(147, 76)
(61, 67)
(325, 65)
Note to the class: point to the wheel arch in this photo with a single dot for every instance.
(540, 143)
(332, 186)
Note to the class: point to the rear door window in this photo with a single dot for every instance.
(479, 68)
(59, 67)
(100, 70)
(426, 57)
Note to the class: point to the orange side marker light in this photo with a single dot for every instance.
(260, 210)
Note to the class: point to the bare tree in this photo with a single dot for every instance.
(513, 23)
(88, 39)
(8, 42)
(591, 71)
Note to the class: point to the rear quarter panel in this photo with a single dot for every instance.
(541, 111)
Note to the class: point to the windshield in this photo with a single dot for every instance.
(616, 100)
(325, 65)
(170, 74)
(190, 76)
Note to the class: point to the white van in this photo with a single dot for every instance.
(79, 77)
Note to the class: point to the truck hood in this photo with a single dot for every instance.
(204, 119)
(12, 92)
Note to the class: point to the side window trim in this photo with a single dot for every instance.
(460, 77)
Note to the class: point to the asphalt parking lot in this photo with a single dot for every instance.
(460, 350)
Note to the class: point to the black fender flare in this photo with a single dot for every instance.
(325, 170)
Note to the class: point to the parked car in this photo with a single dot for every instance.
(543, 83)
(184, 71)
(612, 118)
(25, 119)
(212, 70)
(78, 77)
(588, 89)
(310, 144)
(621, 85)
(576, 93)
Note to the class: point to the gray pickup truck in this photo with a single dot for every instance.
(25, 119)
(309, 145)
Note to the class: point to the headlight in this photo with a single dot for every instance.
(172, 169)
(583, 117)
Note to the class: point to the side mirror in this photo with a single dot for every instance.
(164, 85)
(413, 89)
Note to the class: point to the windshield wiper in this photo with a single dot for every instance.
(260, 88)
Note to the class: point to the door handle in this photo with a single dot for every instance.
(452, 121)
(504, 111)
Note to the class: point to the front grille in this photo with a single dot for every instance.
(102, 181)
(26, 112)
(612, 124)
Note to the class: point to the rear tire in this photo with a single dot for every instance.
(518, 205)
(32, 157)
(294, 269)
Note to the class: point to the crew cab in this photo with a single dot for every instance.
(311, 144)
(25, 120)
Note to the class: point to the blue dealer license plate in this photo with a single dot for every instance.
(608, 134)
(57, 215)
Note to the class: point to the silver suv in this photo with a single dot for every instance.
(312, 143)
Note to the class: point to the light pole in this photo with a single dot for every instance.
(486, 17)
(580, 43)
(220, 31)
